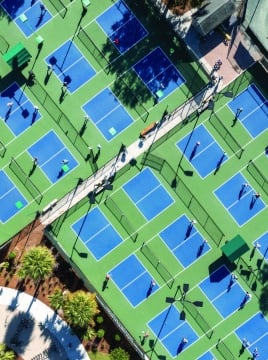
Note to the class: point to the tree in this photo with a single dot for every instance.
(56, 299)
(119, 354)
(6, 354)
(37, 264)
(79, 308)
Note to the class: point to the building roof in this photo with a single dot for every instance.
(256, 19)
(212, 14)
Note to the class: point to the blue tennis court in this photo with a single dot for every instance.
(202, 150)
(121, 26)
(28, 15)
(54, 159)
(70, 66)
(263, 242)
(108, 114)
(255, 331)
(147, 193)
(225, 295)
(239, 200)
(11, 200)
(158, 73)
(184, 241)
(207, 356)
(255, 110)
(133, 279)
(97, 233)
(21, 114)
(170, 329)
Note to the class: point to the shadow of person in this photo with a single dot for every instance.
(105, 284)
(219, 163)
(252, 253)
(8, 114)
(242, 350)
(188, 231)
(192, 155)
(200, 250)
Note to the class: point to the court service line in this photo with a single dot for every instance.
(149, 193)
(7, 192)
(239, 200)
(109, 113)
(97, 233)
(133, 280)
(172, 331)
(52, 157)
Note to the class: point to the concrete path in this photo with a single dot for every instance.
(34, 331)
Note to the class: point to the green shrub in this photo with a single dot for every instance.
(100, 333)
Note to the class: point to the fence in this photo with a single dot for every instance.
(185, 194)
(60, 118)
(3, 149)
(122, 218)
(226, 135)
(225, 351)
(124, 93)
(60, 7)
(259, 177)
(158, 265)
(4, 45)
(25, 180)
(191, 308)
(92, 47)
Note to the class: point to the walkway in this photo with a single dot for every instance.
(200, 101)
(34, 331)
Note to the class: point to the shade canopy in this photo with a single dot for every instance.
(235, 248)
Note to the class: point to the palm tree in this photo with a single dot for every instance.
(37, 264)
(6, 354)
(57, 299)
(79, 308)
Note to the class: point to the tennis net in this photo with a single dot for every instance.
(25, 180)
(4, 45)
(122, 89)
(60, 7)
(204, 325)
(226, 135)
(225, 351)
(92, 47)
(3, 149)
(259, 177)
(121, 217)
(158, 265)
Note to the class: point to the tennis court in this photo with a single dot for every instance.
(255, 331)
(108, 114)
(144, 189)
(121, 26)
(207, 356)
(70, 66)
(202, 151)
(11, 199)
(97, 234)
(133, 280)
(170, 329)
(238, 197)
(262, 241)
(223, 292)
(254, 110)
(184, 241)
(29, 15)
(17, 110)
(54, 159)
(158, 73)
